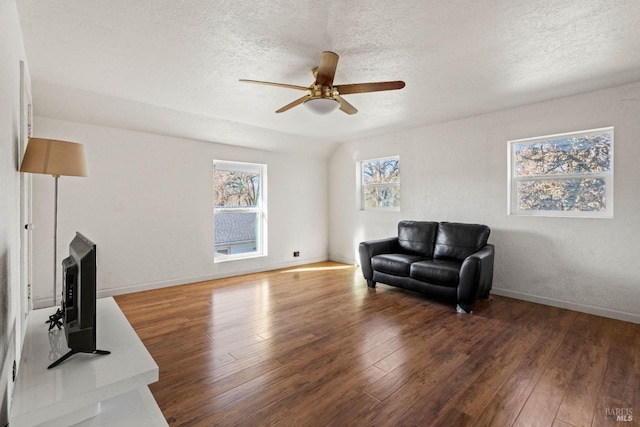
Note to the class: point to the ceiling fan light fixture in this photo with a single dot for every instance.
(322, 105)
(322, 96)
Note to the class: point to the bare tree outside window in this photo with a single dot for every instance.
(235, 188)
(381, 183)
(563, 175)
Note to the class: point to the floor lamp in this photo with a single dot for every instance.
(57, 158)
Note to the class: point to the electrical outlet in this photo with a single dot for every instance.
(296, 254)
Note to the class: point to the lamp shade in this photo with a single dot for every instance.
(53, 157)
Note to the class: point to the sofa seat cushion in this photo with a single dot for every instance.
(437, 272)
(396, 264)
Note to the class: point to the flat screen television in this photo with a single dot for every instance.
(79, 298)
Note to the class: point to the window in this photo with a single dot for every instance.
(380, 179)
(239, 211)
(568, 174)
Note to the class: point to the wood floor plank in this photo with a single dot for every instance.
(475, 397)
(404, 365)
(332, 400)
(554, 330)
(196, 395)
(210, 415)
(580, 399)
(446, 401)
(619, 382)
(507, 403)
(314, 346)
(545, 399)
(396, 407)
(351, 412)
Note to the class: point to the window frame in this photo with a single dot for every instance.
(513, 208)
(363, 186)
(260, 209)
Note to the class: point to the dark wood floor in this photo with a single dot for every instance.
(313, 346)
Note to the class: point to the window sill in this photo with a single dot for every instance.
(227, 258)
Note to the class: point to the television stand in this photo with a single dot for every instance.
(72, 352)
(91, 391)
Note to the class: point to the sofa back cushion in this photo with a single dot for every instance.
(458, 241)
(417, 237)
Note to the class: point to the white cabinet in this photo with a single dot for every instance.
(86, 389)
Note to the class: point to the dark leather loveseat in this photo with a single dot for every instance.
(443, 259)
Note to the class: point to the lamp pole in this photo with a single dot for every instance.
(56, 158)
(55, 241)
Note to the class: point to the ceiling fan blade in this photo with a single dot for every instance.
(327, 68)
(369, 87)
(345, 106)
(293, 104)
(274, 84)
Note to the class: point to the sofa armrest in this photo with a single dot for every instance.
(372, 248)
(476, 276)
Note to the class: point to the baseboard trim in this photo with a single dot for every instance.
(139, 287)
(186, 280)
(589, 309)
(341, 260)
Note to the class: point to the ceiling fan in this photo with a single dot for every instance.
(322, 96)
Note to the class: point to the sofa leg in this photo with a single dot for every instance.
(464, 309)
(371, 284)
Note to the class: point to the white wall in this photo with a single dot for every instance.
(147, 204)
(11, 53)
(457, 171)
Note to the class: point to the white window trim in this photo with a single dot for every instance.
(512, 182)
(261, 209)
(362, 185)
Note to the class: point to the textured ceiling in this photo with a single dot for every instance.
(172, 67)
